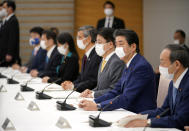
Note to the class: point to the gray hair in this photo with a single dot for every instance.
(86, 30)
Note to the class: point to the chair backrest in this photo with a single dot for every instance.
(162, 90)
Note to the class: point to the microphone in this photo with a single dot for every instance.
(41, 95)
(63, 106)
(96, 121)
(25, 88)
(11, 81)
(163, 113)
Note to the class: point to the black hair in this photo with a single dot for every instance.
(66, 37)
(37, 30)
(10, 3)
(54, 29)
(50, 35)
(179, 53)
(130, 35)
(109, 3)
(181, 32)
(107, 34)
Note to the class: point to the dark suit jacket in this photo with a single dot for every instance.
(53, 62)
(88, 77)
(178, 115)
(136, 88)
(109, 76)
(117, 23)
(68, 70)
(38, 62)
(9, 40)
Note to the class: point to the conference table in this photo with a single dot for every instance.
(24, 112)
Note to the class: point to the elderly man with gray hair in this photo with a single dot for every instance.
(86, 37)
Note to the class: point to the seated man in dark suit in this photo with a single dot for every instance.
(111, 67)
(86, 37)
(174, 64)
(179, 38)
(136, 90)
(110, 21)
(53, 57)
(37, 59)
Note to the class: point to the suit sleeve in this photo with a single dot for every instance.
(91, 82)
(115, 75)
(140, 79)
(154, 113)
(112, 93)
(178, 119)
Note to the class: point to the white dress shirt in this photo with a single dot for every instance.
(178, 81)
(89, 51)
(109, 21)
(50, 51)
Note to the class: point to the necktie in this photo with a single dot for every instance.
(174, 95)
(47, 59)
(103, 65)
(108, 22)
(84, 62)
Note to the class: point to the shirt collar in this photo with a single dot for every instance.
(178, 81)
(110, 17)
(50, 51)
(89, 51)
(129, 62)
(109, 56)
(37, 47)
(8, 17)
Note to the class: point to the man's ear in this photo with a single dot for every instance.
(133, 47)
(177, 64)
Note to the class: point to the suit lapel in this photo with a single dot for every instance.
(180, 89)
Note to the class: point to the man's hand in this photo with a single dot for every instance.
(67, 85)
(137, 123)
(88, 105)
(45, 79)
(15, 66)
(23, 69)
(34, 73)
(86, 93)
(8, 58)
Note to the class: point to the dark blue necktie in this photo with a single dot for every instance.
(47, 59)
(174, 94)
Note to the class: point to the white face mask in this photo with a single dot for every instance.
(108, 11)
(3, 13)
(176, 42)
(62, 50)
(164, 72)
(120, 52)
(99, 48)
(43, 45)
(81, 45)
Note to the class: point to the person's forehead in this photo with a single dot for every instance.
(80, 33)
(165, 54)
(108, 6)
(120, 38)
(99, 37)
